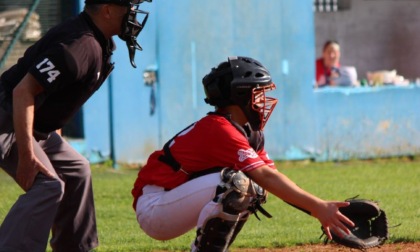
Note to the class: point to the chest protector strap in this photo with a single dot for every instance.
(255, 140)
(167, 157)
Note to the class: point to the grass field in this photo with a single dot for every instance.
(393, 182)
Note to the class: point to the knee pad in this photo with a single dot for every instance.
(240, 193)
(237, 196)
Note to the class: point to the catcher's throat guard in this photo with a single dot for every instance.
(371, 225)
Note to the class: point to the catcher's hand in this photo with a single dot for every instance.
(371, 225)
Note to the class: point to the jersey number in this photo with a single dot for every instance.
(47, 66)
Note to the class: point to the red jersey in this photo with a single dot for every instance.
(321, 71)
(211, 142)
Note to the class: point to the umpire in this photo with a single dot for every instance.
(38, 95)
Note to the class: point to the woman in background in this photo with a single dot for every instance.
(327, 66)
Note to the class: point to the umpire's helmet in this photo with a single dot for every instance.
(131, 28)
(241, 81)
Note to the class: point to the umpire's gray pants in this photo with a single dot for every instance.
(63, 205)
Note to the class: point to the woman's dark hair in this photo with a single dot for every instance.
(328, 43)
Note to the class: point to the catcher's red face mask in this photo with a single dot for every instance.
(262, 104)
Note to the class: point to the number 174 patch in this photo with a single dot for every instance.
(46, 66)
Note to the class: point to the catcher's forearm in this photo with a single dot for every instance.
(284, 188)
(299, 208)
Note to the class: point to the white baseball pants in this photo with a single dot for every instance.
(164, 215)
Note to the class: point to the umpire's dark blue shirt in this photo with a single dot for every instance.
(71, 62)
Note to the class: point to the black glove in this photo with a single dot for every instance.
(371, 225)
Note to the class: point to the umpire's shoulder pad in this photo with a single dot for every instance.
(361, 207)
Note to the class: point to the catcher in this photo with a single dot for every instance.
(213, 174)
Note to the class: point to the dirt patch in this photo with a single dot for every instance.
(400, 247)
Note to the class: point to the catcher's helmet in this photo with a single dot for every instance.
(131, 28)
(241, 81)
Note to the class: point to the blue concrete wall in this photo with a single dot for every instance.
(290, 131)
(184, 39)
(367, 122)
(278, 33)
(135, 130)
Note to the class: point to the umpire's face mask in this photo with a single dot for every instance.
(131, 28)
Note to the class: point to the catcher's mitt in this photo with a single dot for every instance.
(371, 225)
